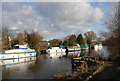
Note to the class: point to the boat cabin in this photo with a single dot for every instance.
(21, 46)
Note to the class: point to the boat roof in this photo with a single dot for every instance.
(84, 45)
(21, 45)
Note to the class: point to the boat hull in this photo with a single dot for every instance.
(55, 50)
(73, 49)
(17, 55)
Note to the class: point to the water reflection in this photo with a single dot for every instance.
(36, 66)
(100, 51)
(104, 51)
(44, 65)
(56, 55)
(10, 62)
(84, 53)
(13, 67)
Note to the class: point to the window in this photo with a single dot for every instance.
(16, 47)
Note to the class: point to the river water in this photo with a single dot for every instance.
(45, 65)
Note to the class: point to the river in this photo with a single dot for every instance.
(45, 65)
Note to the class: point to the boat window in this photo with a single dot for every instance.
(16, 47)
(75, 45)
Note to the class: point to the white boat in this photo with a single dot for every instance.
(99, 45)
(75, 47)
(19, 51)
(56, 49)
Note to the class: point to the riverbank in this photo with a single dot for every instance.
(107, 73)
(111, 71)
(84, 71)
(116, 75)
(46, 65)
(105, 70)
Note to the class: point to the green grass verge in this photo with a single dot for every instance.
(116, 75)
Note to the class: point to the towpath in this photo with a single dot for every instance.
(107, 73)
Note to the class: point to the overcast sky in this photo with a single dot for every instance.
(55, 19)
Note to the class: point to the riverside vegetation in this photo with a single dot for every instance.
(84, 71)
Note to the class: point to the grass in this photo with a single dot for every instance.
(83, 72)
(116, 75)
(92, 70)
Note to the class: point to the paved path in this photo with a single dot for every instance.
(107, 74)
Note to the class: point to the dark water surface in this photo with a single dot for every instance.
(46, 65)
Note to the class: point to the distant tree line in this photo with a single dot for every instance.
(34, 39)
(75, 39)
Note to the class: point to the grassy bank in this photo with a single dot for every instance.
(99, 69)
(83, 72)
(116, 75)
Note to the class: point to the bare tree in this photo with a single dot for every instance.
(6, 38)
(25, 36)
(34, 39)
(113, 41)
(20, 38)
(90, 35)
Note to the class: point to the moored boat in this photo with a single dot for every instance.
(84, 46)
(56, 49)
(75, 47)
(97, 46)
(19, 51)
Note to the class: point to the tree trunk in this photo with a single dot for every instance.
(89, 48)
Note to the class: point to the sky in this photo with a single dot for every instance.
(55, 20)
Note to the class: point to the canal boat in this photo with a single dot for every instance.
(57, 49)
(75, 47)
(19, 51)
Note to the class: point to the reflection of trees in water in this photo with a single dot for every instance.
(92, 53)
(84, 53)
(100, 52)
(36, 66)
(72, 54)
(77, 54)
(106, 51)
(6, 72)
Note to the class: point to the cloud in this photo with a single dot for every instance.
(18, 16)
(52, 20)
